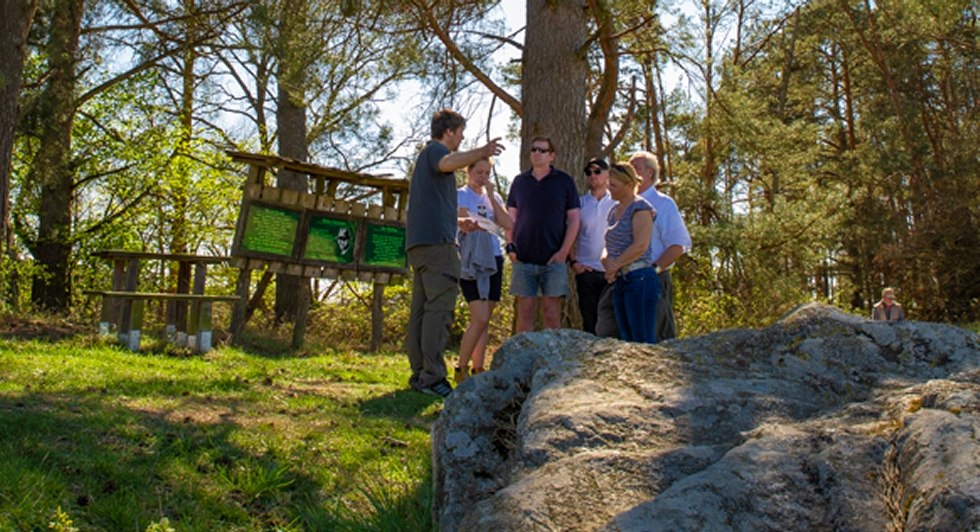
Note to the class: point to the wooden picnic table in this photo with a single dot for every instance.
(187, 301)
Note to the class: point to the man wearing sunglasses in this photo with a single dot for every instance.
(586, 256)
(544, 205)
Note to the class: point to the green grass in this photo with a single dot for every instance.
(94, 437)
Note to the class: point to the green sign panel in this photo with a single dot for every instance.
(270, 230)
(331, 240)
(384, 245)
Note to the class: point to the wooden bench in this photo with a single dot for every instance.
(127, 267)
(130, 326)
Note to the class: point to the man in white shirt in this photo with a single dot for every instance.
(670, 238)
(586, 256)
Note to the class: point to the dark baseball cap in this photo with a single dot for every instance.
(603, 165)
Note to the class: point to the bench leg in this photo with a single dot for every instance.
(204, 327)
(135, 326)
(105, 316)
(194, 325)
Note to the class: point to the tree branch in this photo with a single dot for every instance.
(468, 64)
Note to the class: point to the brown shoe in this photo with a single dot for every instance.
(477, 370)
(460, 374)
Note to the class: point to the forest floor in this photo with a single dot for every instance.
(33, 328)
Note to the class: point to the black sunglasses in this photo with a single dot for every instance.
(591, 171)
(539, 150)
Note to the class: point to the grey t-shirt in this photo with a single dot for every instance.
(431, 200)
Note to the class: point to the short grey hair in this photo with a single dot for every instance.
(651, 162)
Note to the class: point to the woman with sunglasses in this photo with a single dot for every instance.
(636, 287)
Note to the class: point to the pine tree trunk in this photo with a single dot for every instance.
(52, 166)
(291, 122)
(15, 20)
(554, 81)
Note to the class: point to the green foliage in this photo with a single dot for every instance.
(343, 316)
(60, 522)
(829, 157)
(162, 525)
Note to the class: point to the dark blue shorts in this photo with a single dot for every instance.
(470, 291)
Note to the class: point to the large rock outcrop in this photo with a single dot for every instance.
(823, 421)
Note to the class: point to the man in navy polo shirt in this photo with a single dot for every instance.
(544, 205)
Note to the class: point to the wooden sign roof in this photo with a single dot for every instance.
(384, 181)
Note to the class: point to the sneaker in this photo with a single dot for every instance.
(460, 374)
(441, 388)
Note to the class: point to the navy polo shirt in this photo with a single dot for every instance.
(541, 208)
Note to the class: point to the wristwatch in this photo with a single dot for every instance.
(657, 268)
(510, 248)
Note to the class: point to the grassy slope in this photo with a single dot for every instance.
(227, 441)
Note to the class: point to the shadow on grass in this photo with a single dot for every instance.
(399, 404)
(110, 467)
(115, 468)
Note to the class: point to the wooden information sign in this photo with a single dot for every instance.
(315, 233)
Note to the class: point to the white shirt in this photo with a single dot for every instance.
(478, 205)
(668, 226)
(591, 238)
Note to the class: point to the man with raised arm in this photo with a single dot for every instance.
(430, 240)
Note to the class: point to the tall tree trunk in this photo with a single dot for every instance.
(52, 167)
(608, 80)
(708, 170)
(554, 80)
(654, 141)
(291, 122)
(15, 20)
(181, 184)
(663, 140)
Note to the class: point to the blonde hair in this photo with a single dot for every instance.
(624, 173)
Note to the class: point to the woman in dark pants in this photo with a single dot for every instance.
(636, 287)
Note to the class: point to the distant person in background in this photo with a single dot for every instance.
(888, 309)
(635, 286)
(586, 256)
(430, 241)
(482, 264)
(543, 202)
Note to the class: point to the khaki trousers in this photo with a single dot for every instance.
(435, 284)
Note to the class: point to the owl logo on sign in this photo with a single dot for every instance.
(343, 240)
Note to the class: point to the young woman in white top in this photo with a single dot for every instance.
(478, 199)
